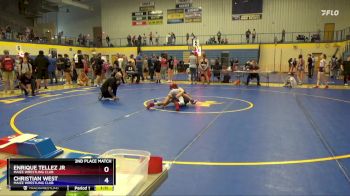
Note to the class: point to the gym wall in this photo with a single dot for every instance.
(291, 15)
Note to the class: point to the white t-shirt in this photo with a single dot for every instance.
(193, 61)
(120, 62)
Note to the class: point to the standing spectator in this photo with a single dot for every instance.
(139, 41)
(164, 67)
(8, 32)
(150, 39)
(129, 40)
(247, 36)
(253, 67)
(320, 74)
(25, 76)
(176, 62)
(157, 68)
(67, 69)
(193, 67)
(204, 70)
(98, 69)
(139, 65)
(52, 69)
(283, 35)
(219, 37)
(253, 36)
(60, 67)
(157, 39)
(187, 38)
(300, 69)
(144, 40)
(334, 67)
(310, 66)
(107, 40)
(168, 39)
(42, 65)
(78, 62)
(133, 40)
(170, 69)
(150, 64)
(173, 38)
(345, 73)
(8, 75)
(193, 37)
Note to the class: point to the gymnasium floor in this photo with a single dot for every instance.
(236, 140)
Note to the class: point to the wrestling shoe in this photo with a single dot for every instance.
(177, 106)
(149, 105)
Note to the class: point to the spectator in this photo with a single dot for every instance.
(139, 67)
(170, 69)
(283, 36)
(67, 69)
(98, 67)
(157, 68)
(173, 38)
(129, 40)
(320, 75)
(193, 67)
(346, 73)
(253, 36)
(144, 40)
(219, 37)
(187, 38)
(176, 62)
(150, 39)
(107, 40)
(8, 75)
(139, 41)
(247, 36)
(150, 64)
(168, 39)
(27, 83)
(300, 69)
(83, 80)
(334, 67)
(157, 39)
(52, 69)
(310, 66)
(204, 70)
(42, 65)
(253, 67)
(78, 62)
(216, 68)
(164, 67)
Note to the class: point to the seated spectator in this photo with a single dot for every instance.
(83, 80)
(130, 71)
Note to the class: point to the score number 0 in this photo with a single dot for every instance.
(106, 170)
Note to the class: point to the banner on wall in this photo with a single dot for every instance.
(183, 3)
(193, 15)
(139, 18)
(155, 17)
(175, 16)
(147, 6)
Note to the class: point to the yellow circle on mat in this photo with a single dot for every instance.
(250, 105)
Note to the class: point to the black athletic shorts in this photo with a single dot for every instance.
(42, 74)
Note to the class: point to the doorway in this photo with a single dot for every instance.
(329, 32)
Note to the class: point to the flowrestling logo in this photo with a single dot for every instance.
(329, 12)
